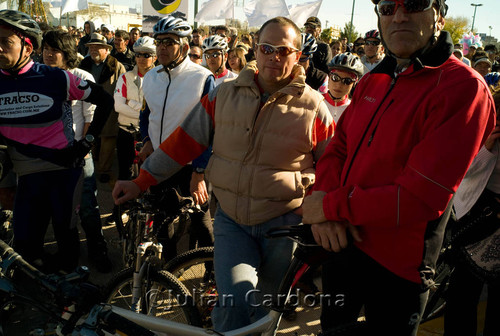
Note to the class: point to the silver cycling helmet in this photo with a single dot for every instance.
(172, 25)
(215, 42)
(347, 62)
(145, 44)
(309, 45)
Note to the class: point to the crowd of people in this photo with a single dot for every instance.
(375, 144)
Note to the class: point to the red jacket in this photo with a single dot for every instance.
(399, 153)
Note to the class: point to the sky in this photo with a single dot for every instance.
(338, 12)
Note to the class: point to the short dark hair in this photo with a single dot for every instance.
(123, 34)
(222, 27)
(198, 31)
(283, 21)
(63, 41)
(491, 47)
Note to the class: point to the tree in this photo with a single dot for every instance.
(457, 27)
(349, 32)
(329, 34)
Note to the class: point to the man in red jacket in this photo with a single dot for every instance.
(398, 155)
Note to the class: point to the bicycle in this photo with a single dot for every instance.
(144, 287)
(33, 303)
(307, 253)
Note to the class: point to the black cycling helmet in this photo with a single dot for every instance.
(22, 23)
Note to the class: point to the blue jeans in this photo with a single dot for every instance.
(248, 268)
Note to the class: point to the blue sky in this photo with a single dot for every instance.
(338, 12)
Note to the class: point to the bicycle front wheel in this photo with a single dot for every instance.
(162, 295)
(195, 269)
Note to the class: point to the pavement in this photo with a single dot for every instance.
(307, 320)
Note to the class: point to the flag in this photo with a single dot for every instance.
(300, 12)
(215, 10)
(259, 11)
(73, 5)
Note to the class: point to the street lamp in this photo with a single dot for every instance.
(474, 17)
(490, 27)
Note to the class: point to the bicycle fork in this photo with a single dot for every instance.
(140, 269)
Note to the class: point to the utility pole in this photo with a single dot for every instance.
(490, 27)
(474, 17)
(352, 17)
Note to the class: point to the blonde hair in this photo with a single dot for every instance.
(240, 53)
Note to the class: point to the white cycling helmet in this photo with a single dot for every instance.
(215, 42)
(347, 62)
(145, 44)
(172, 25)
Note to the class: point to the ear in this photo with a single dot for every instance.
(440, 23)
(28, 48)
(297, 56)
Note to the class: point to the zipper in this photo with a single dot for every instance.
(393, 82)
(378, 122)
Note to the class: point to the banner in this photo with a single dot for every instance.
(68, 6)
(301, 12)
(154, 10)
(215, 10)
(259, 11)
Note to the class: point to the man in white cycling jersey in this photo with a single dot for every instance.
(171, 90)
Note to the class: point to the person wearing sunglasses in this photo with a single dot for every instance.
(383, 186)
(315, 78)
(128, 103)
(359, 46)
(374, 50)
(323, 53)
(196, 54)
(268, 127)
(171, 90)
(215, 52)
(345, 71)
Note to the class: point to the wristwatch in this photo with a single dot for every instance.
(199, 170)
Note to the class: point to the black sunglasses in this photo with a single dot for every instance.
(143, 55)
(167, 42)
(372, 43)
(283, 51)
(386, 8)
(358, 44)
(346, 81)
(195, 56)
(214, 55)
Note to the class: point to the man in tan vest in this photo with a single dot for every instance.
(267, 129)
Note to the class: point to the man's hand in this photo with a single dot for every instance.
(494, 136)
(146, 151)
(332, 236)
(198, 188)
(124, 191)
(312, 208)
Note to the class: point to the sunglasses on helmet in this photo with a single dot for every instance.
(386, 8)
(336, 78)
(283, 51)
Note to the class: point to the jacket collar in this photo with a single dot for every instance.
(434, 57)
(294, 88)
